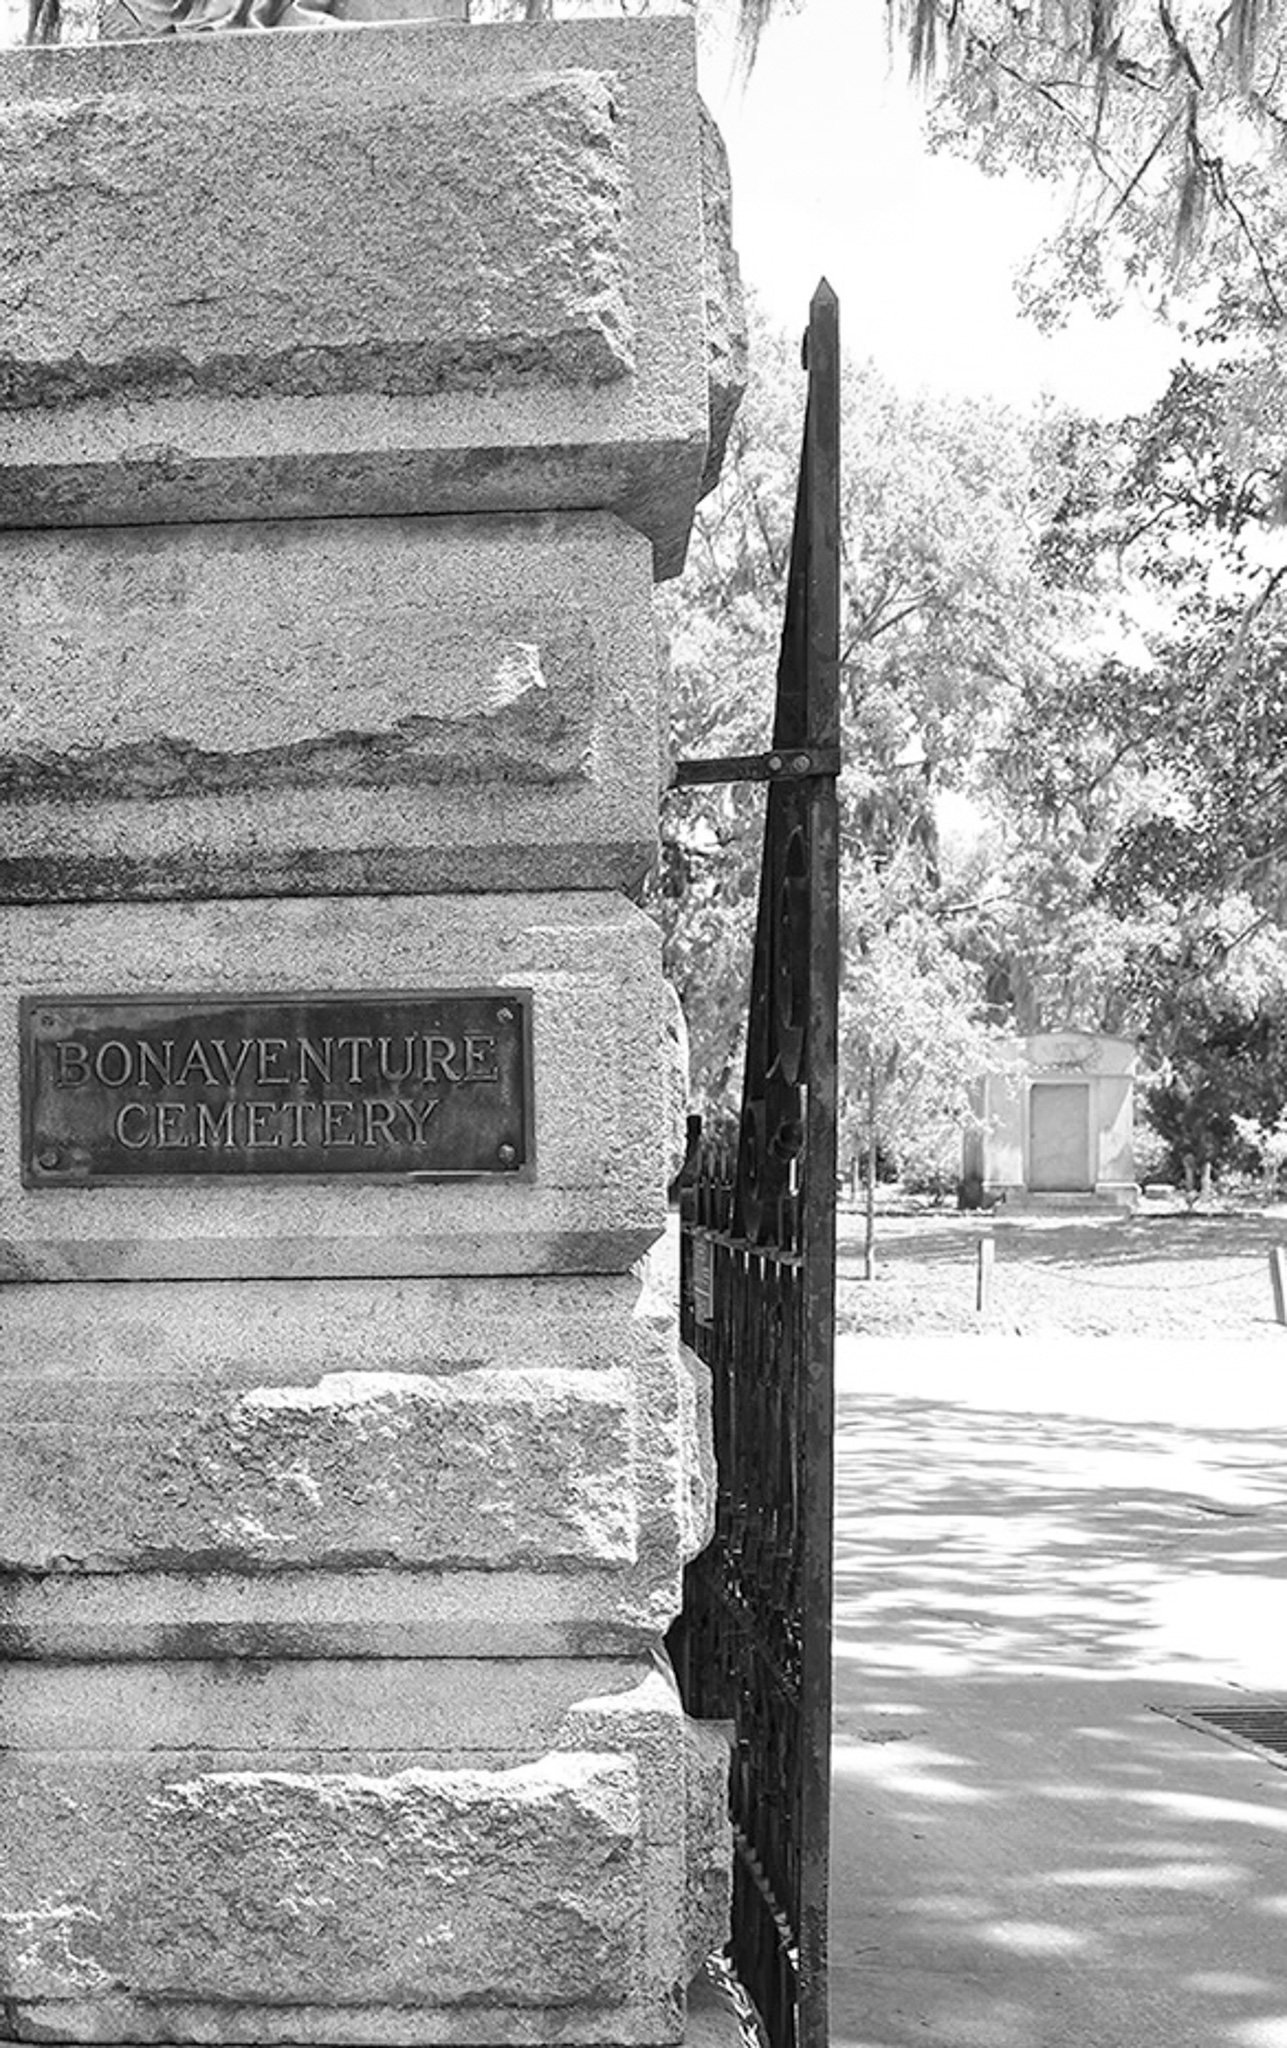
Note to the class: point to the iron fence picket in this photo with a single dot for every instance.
(757, 1301)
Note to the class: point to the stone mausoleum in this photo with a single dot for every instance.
(1056, 1123)
(356, 383)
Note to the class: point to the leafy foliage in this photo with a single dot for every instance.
(913, 1037)
(1164, 119)
(913, 1041)
(1176, 741)
(1077, 627)
(1126, 732)
(1222, 1082)
(942, 617)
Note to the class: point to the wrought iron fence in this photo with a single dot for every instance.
(757, 1297)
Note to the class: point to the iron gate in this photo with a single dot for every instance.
(757, 1296)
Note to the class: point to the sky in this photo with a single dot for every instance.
(831, 177)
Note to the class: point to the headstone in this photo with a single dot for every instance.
(353, 387)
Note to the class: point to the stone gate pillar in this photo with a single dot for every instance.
(354, 385)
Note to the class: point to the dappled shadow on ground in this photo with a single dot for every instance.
(1028, 1854)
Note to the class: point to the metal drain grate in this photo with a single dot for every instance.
(1258, 1725)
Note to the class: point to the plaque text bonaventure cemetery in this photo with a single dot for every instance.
(430, 1084)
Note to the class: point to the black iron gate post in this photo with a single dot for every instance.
(757, 1294)
(821, 710)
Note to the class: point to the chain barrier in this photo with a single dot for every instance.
(1171, 1286)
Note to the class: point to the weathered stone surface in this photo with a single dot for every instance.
(431, 1468)
(325, 1468)
(482, 1470)
(278, 1854)
(487, 292)
(124, 18)
(708, 1875)
(712, 2017)
(119, 1615)
(725, 308)
(484, 1713)
(342, 705)
(508, 267)
(596, 1199)
(254, 1880)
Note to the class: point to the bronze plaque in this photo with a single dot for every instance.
(414, 1085)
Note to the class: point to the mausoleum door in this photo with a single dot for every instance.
(1059, 1137)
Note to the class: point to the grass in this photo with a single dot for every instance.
(1158, 1273)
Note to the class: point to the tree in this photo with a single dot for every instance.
(1163, 120)
(913, 1039)
(1195, 709)
(1140, 779)
(1265, 1144)
(1221, 1086)
(1137, 778)
(942, 617)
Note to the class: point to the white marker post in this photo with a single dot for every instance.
(1278, 1278)
(983, 1276)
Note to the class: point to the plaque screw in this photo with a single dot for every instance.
(504, 1015)
(49, 1157)
(800, 763)
(47, 1020)
(506, 1154)
(775, 762)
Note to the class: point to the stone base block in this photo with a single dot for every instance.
(595, 1198)
(318, 1853)
(421, 1468)
(487, 293)
(345, 706)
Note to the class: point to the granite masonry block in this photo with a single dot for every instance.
(594, 1195)
(725, 307)
(409, 1853)
(430, 1468)
(284, 1614)
(481, 1469)
(487, 293)
(303, 708)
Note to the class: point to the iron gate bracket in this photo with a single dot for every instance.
(789, 764)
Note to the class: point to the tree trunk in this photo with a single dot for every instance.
(869, 1235)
